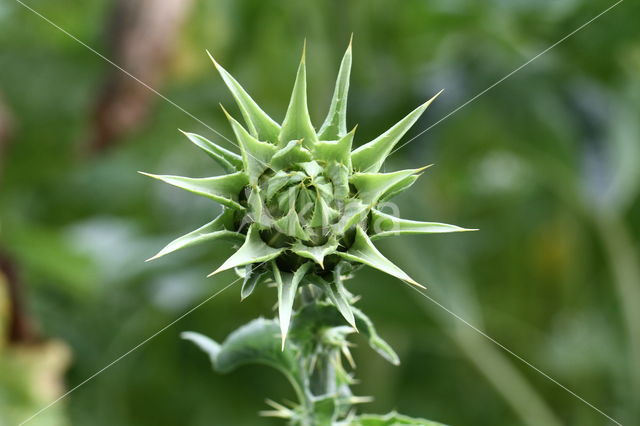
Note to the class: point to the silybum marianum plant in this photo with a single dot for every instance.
(304, 209)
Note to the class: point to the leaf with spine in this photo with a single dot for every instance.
(251, 280)
(325, 411)
(316, 253)
(280, 180)
(259, 123)
(354, 211)
(290, 225)
(339, 175)
(369, 157)
(255, 154)
(287, 287)
(254, 250)
(321, 315)
(399, 187)
(223, 189)
(258, 213)
(312, 168)
(335, 125)
(297, 123)
(286, 200)
(254, 343)
(230, 161)
(339, 299)
(377, 343)
(362, 250)
(371, 186)
(218, 228)
(385, 225)
(390, 419)
(338, 151)
(323, 215)
(292, 153)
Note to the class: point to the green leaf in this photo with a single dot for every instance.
(335, 151)
(335, 125)
(292, 153)
(216, 229)
(366, 327)
(323, 215)
(259, 123)
(371, 186)
(317, 253)
(339, 299)
(390, 419)
(230, 161)
(385, 225)
(251, 279)
(254, 343)
(256, 155)
(339, 175)
(290, 225)
(223, 189)
(323, 315)
(325, 411)
(369, 157)
(297, 123)
(287, 286)
(280, 180)
(365, 252)
(254, 250)
(399, 187)
(354, 211)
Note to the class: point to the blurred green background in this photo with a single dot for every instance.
(545, 164)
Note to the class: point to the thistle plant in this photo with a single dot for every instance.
(303, 209)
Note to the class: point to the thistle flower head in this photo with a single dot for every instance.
(301, 203)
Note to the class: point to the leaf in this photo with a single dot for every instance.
(290, 225)
(216, 229)
(254, 250)
(339, 175)
(317, 253)
(297, 123)
(280, 180)
(287, 286)
(371, 186)
(254, 343)
(230, 161)
(390, 419)
(366, 327)
(339, 299)
(321, 315)
(325, 411)
(292, 153)
(251, 279)
(255, 154)
(354, 211)
(335, 125)
(369, 157)
(223, 189)
(259, 123)
(399, 187)
(338, 151)
(385, 225)
(257, 211)
(323, 215)
(365, 252)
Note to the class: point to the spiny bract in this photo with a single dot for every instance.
(302, 203)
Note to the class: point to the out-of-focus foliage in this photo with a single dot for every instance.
(544, 164)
